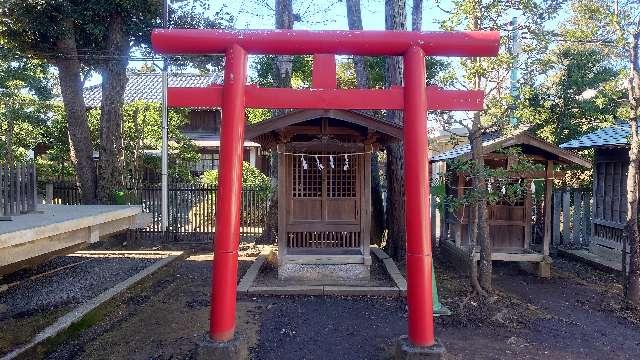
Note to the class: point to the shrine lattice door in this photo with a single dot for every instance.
(324, 202)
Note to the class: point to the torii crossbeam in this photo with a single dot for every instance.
(414, 99)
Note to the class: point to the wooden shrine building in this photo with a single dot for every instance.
(610, 168)
(324, 190)
(510, 223)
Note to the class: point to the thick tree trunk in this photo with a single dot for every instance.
(395, 19)
(76, 112)
(354, 18)
(282, 78)
(114, 82)
(632, 288)
(480, 185)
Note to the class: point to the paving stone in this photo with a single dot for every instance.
(379, 253)
(249, 277)
(286, 290)
(361, 291)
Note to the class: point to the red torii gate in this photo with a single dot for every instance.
(414, 99)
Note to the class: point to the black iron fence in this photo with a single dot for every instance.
(18, 193)
(192, 207)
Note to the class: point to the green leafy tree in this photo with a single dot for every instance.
(79, 36)
(25, 91)
(142, 141)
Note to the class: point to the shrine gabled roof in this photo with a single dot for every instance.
(353, 117)
(148, 86)
(612, 136)
(494, 141)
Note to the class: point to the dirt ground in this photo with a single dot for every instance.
(574, 315)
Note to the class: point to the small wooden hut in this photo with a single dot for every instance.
(510, 224)
(609, 208)
(324, 190)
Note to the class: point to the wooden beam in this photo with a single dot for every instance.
(343, 99)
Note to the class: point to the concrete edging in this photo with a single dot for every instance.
(245, 286)
(78, 313)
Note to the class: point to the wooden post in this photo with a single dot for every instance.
(586, 220)
(575, 229)
(366, 203)
(283, 200)
(548, 193)
(528, 206)
(566, 222)
(557, 197)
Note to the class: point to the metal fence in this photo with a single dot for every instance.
(192, 208)
(18, 191)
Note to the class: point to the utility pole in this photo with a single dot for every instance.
(515, 50)
(165, 129)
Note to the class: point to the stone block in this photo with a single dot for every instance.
(324, 273)
(406, 351)
(361, 291)
(234, 349)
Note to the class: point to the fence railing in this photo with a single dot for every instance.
(18, 191)
(192, 207)
(571, 218)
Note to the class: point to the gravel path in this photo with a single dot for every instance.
(69, 287)
(314, 327)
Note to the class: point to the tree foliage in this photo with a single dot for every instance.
(25, 91)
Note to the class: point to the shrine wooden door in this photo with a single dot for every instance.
(324, 200)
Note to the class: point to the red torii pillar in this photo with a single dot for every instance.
(414, 99)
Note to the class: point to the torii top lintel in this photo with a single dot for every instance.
(324, 45)
(339, 42)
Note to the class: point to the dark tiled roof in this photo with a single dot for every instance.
(487, 140)
(148, 87)
(616, 135)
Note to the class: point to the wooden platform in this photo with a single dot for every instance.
(524, 256)
(54, 228)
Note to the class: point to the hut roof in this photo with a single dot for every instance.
(612, 136)
(266, 129)
(529, 143)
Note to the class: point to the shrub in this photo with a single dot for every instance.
(251, 177)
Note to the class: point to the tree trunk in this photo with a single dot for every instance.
(416, 16)
(76, 112)
(354, 17)
(483, 239)
(395, 19)
(282, 78)
(114, 82)
(632, 285)
(480, 185)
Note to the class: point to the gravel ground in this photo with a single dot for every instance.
(571, 316)
(163, 317)
(33, 304)
(68, 287)
(268, 275)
